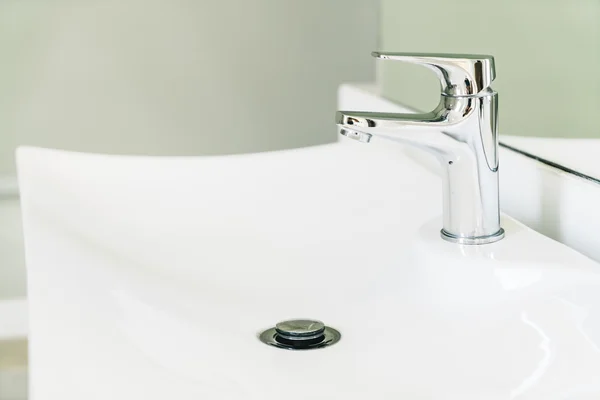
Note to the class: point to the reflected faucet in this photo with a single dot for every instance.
(462, 132)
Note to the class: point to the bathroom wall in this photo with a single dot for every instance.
(177, 77)
(547, 57)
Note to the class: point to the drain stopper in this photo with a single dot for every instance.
(300, 334)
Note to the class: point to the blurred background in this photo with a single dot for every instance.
(212, 77)
(547, 58)
(183, 77)
(177, 77)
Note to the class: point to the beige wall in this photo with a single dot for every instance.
(177, 77)
(547, 57)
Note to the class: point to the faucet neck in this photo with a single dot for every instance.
(470, 169)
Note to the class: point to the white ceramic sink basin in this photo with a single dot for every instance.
(150, 278)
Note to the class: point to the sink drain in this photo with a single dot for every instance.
(300, 334)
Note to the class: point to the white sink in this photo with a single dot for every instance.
(152, 277)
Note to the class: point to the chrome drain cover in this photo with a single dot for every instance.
(300, 334)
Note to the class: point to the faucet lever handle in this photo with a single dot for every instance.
(459, 74)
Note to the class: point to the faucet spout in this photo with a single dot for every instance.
(421, 130)
(462, 133)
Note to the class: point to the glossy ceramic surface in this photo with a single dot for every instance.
(152, 277)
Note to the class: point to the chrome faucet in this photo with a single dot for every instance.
(462, 132)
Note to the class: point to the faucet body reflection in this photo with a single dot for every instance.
(461, 132)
